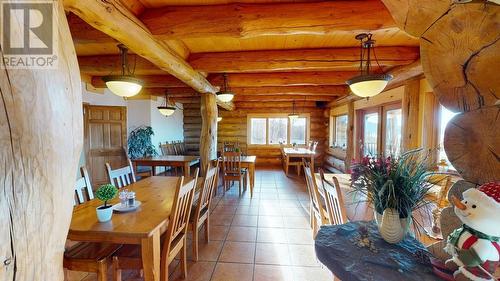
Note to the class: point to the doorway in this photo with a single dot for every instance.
(105, 132)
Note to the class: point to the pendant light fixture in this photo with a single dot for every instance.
(293, 115)
(225, 95)
(367, 84)
(166, 109)
(124, 85)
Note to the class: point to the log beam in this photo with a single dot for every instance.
(342, 59)
(41, 137)
(112, 18)
(208, 138)
(252, 20)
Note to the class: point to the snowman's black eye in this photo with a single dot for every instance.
(465, 202)
(473, 206)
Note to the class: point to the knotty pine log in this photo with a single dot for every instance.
(350, 135)
(341, 59)
(41, 139)
(460, 56)
(410, 113)
(251, 20)
(112, 18)
(472, 144)
(208, 137)
(310, 78)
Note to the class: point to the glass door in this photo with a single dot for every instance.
(368, 135)
(392, 126)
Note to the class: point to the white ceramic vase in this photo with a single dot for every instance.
(104, 214)
(392, 228)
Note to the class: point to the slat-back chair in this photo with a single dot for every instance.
(314, 146)
(174, 239)
(231, 167)
(83, 189)
(334, 201)
(88, 256)
(121, 177)
(200, 213)
(289, 161)
(317, 213)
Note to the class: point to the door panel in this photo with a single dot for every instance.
(105, 140)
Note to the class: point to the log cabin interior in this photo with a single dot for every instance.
(249, 139)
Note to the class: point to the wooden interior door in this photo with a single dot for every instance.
(105, 140)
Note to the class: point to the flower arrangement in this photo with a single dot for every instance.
(394, 183)
(105, 193)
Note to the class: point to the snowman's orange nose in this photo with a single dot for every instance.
(458, 203)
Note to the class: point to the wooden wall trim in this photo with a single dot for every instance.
(410, 110)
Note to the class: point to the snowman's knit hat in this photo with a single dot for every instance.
(492, 190)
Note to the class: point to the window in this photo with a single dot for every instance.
(277, 128)
(258, 134)
(446, 115)
(370, 141)
(393, 120)
(341, 131)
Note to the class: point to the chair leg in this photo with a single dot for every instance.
(207, 229)
(102, 272)
(117, 272)
(184, 260)
(286, 169)
(195, 241)
(241, 185)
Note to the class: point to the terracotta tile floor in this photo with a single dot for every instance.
(266, 237)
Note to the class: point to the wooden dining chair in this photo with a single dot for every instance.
(333, 199)
(121, 177)
(88, 256)
(318, 214)
(200, 212)
(289, 161)
(231, 170)
(174, 239)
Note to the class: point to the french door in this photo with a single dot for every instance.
(379, 130)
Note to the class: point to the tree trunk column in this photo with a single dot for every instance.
(208, 139)
(41, 139)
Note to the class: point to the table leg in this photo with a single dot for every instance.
(251, 171)
(187, 169)
(312, 162)
(153, 170)
(150, 248)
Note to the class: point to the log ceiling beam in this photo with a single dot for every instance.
(252, 20)
(324, 59)
(321, 78)
(298, 60)
(113, 19)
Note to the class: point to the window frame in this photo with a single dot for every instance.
(333, 126)
(275, 115)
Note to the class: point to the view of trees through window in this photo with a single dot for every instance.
(276, 130)
(341, 131)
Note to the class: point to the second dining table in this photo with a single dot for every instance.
(184, 161)
(143, 226)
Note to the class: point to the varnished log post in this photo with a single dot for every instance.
(410, 110)
(40, 144)
(349, 155)
(208, 139)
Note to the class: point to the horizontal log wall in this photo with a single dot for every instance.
(233, 128)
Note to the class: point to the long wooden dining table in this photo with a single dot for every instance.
(184, 161)
(143, 226)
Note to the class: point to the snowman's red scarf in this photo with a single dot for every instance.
(455, 235)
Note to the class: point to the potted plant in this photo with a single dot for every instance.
(139, 143)
(105, 193)
(396, 187)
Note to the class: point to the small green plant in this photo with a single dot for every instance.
(105, 193)
(139, 143)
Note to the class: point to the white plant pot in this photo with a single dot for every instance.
(104, 215)
(392, 228)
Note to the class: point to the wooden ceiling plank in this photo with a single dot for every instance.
(112, 18)
(298, 60)
(252, 20)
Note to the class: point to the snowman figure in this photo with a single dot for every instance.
(475, 246)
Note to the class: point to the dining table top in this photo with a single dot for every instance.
(298, 151)
(156, 195)
(176, 158)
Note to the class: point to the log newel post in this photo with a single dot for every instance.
(208, 139)
(41, 139)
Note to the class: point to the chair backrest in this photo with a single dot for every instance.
(310, 144)
(121, 177)
(82, 186)
(314, 145)
(231, 162)
(231, 147)
(334, 201)
(312, 187)
(206, 192)
(181, 209)
(445, 183)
